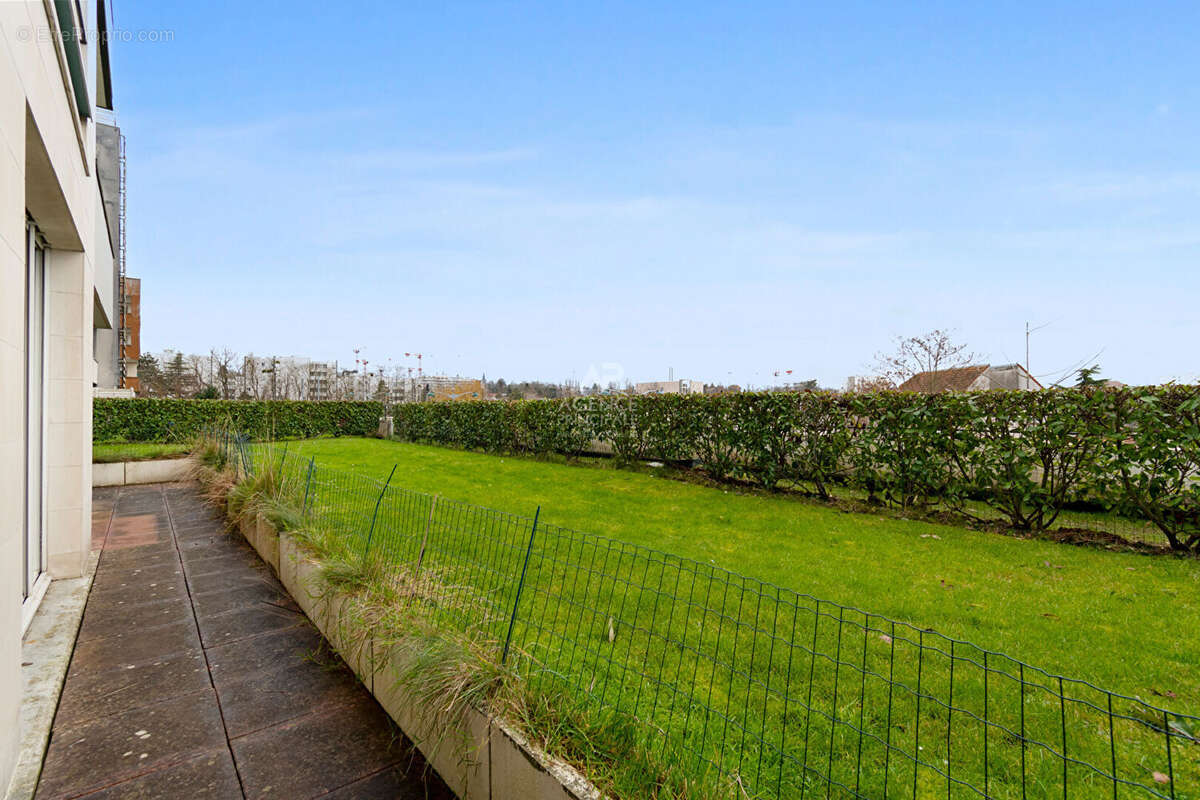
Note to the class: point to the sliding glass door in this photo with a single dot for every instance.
(34, 541)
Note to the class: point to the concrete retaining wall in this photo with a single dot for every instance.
(124, 473)
(478, 756)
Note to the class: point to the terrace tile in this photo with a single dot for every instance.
(116, 617)
(133, 647)
(393, 783)
(108, 750)
(134, 576)
(89, 694)
(299, 759)
(209, 604)
(257, 699)
(250, 620)
(211, 775)
(194, 675)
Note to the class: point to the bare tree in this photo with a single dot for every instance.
(865, 384)
(250, 377)
(292, 379)
(928, 353)
(226, 374)
(196, 366)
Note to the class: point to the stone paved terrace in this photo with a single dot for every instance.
(195, 676)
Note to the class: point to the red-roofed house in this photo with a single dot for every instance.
(978, 378)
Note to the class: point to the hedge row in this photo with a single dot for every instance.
(162, 420)
(1026, 454)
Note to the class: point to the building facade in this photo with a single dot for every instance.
(669, 387)
(58, 296)
(130, 332)
(978, 378)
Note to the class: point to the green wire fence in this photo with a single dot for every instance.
(773, 692)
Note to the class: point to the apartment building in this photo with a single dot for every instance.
(58, 295)
(130, 332)
(322, 378)
(682, 386)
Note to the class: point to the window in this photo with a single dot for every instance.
(34, 538)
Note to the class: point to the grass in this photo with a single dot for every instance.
(1120, 620)
(137, 451)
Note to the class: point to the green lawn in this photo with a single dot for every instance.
(1123, 621)
(137, 451)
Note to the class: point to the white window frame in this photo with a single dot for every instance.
(34, 578)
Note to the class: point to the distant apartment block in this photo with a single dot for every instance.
(669, 387)
(321, 377)
(130, 332)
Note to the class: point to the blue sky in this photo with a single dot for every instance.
(541, 190)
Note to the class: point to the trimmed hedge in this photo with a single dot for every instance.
(163, 420)
(1028, 455)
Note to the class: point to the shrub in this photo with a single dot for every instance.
(1151, 458)
(168, 420)
(1027, 455)
(900, 449)
(822, 436)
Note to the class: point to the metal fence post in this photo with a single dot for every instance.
(425, 538)
(247, 461)
(307, 484)
(512, 621)
(375, 516)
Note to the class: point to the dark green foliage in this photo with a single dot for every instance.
(162, 420)
(1151, 458)
(1028, 455)
(150, 377)
(1087, 376)
(901, 445)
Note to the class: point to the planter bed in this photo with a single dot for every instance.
(478, 756)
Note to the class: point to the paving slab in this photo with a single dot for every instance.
(104, 751)
(303, 643)
(194, 675)
(211, 775)
(224, 563)
(96, 693)
(147, 555)
(172, 585)
(130, 577)
(250, 620)
(299, 759)
(393, 783)
(226, 579)
(101, 621)
(210, 603)
(251, 701)
(134, 647)
(198, 549)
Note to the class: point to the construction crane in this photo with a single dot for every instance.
(418, 357)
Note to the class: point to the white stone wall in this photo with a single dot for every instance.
(47, 165)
